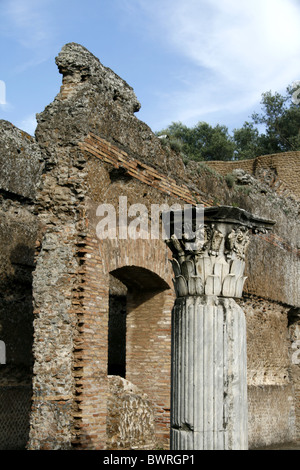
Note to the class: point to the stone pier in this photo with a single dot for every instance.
(209, 356)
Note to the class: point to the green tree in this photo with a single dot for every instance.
(247, 142)
(279, 119)
(201, 142)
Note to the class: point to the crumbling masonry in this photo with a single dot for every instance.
(87, 322)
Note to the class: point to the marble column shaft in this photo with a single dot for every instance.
(209, 382)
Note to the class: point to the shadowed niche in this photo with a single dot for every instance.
(123, 281)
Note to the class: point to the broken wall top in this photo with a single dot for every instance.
(20, 161)
(78, 66)
(93, 98)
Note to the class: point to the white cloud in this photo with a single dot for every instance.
(236, 38)
(27, 22)
(237, 50)
(30, 24)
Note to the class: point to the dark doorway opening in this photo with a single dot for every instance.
(125, 285)
(117, 328)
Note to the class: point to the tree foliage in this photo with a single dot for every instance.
(279, 119)
(201, 142)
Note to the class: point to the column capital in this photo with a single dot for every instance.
(209, 257)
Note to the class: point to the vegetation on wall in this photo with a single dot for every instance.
(279, 119)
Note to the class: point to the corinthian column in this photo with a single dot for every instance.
(209, 366)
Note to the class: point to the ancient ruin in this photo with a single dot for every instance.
(86, 321)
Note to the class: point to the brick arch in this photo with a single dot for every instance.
(144, 267)
(144, 286)
(136, 277)
(148, 332)
(151, 255)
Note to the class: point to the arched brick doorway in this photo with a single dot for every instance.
(139, 337)
(143, 268)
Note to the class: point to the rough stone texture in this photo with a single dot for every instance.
(272, 385)
(294, 350)
(20, 161)
(272, 169)
(130, 421)
(18, 232)
(78, 65)
(271, 415)
(268, 343)
(71, 277)
(20, 170)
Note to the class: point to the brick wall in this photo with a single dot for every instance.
(106, 152)
(143, 268)
(271, 395)
(285, 169)
(268, 347)
(148, 353)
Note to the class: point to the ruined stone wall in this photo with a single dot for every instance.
(20, 169)
(130, 420)
(71, 286)
(266, 282)
(142, 265)
(93, 149)
(282, 171)
(123, 183)
(273, 378)
(271, 293)
(294, 350)
(273, 282)
(271, 385)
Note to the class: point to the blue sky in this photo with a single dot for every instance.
(187, 60)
